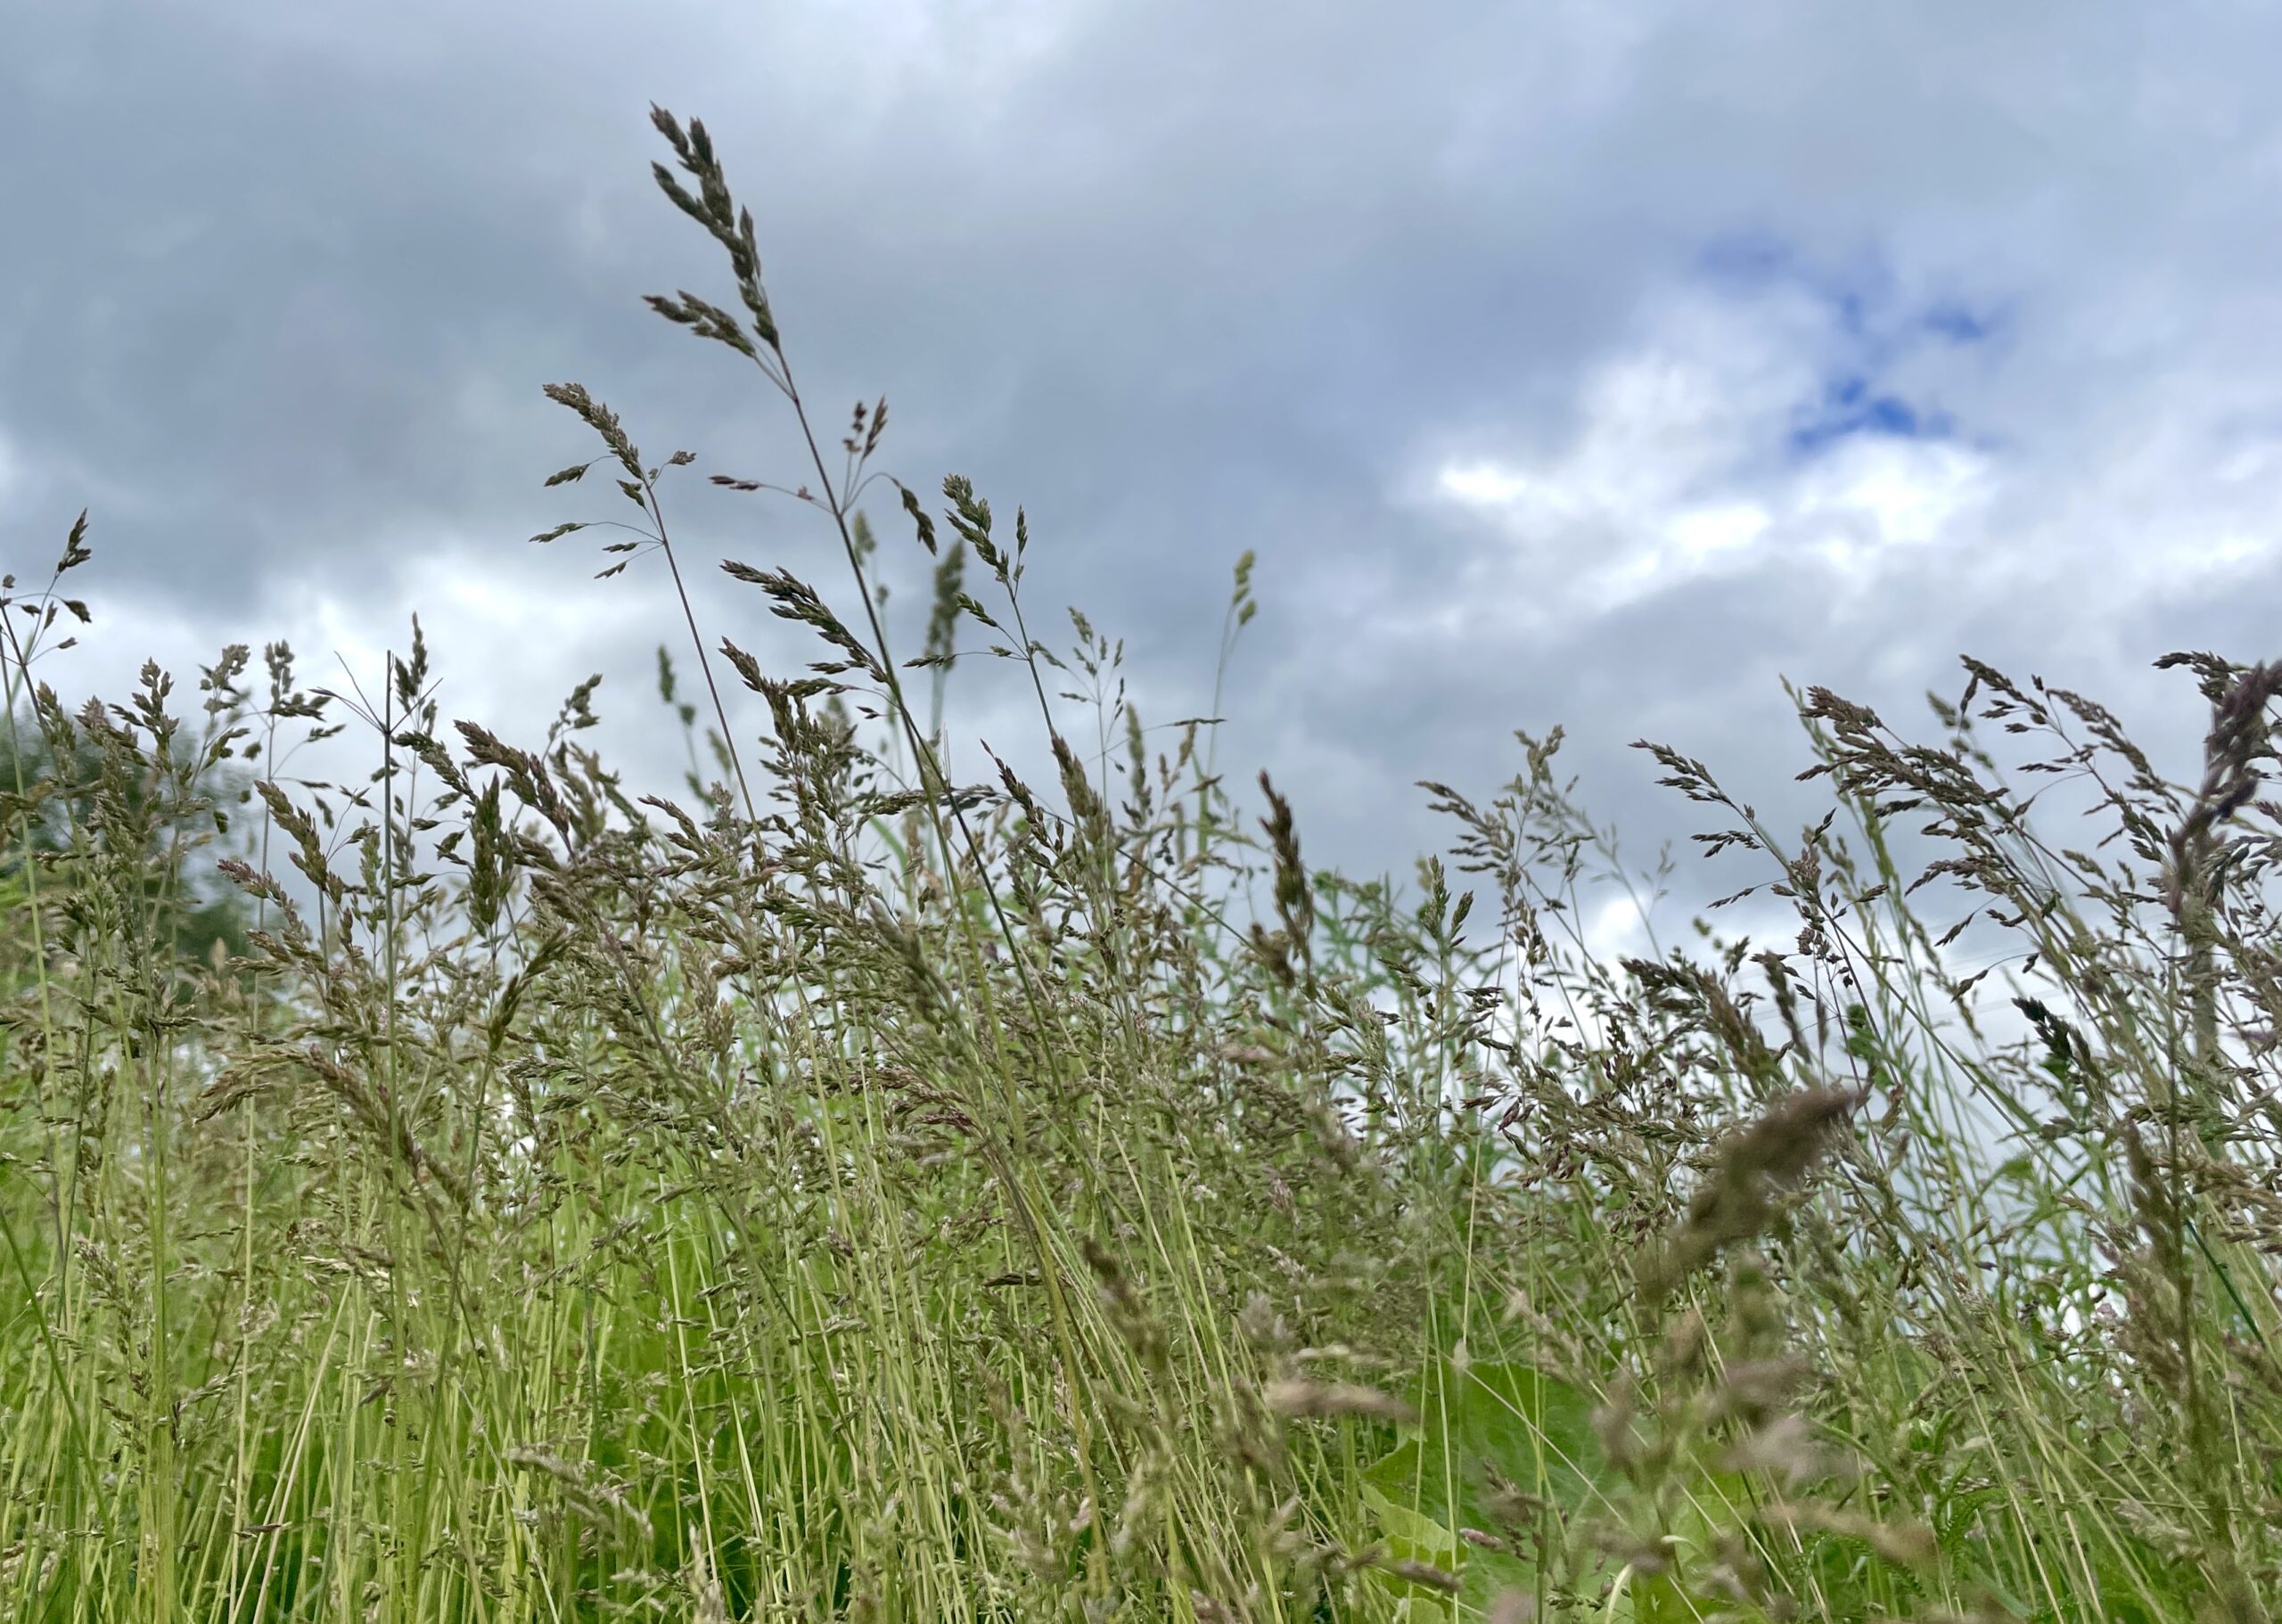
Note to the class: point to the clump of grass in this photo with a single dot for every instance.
(865, 1190)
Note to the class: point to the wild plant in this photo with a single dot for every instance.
(476, 1186)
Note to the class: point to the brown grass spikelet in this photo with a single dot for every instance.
(1300, 1399)
(1905, 1543)
(717, 211)
(1513, 1607)
(1424, 1573)
(1750, 1169)
(602, 420)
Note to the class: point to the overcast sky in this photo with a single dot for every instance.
(1598, 362)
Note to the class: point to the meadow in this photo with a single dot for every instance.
(478, 1192)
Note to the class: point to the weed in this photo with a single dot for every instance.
(852, 1193)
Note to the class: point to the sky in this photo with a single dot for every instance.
(1591, 364)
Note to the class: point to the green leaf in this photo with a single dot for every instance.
(1409, 1536)
(1534, 1432)
(1537, 1432)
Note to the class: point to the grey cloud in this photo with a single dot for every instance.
(1179, 280)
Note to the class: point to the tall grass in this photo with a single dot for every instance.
(858, 1192)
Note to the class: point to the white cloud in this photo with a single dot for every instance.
(1675, 472)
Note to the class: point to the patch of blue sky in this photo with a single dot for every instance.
(1959, 324)
(1848, 406)
(1871, 328)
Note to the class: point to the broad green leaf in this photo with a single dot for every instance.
(1534, 1430)
(1537, 1433)
(1409, 1536)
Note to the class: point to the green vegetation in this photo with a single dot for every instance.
(860, 1193)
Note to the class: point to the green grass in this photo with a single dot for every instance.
(862, 1193)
